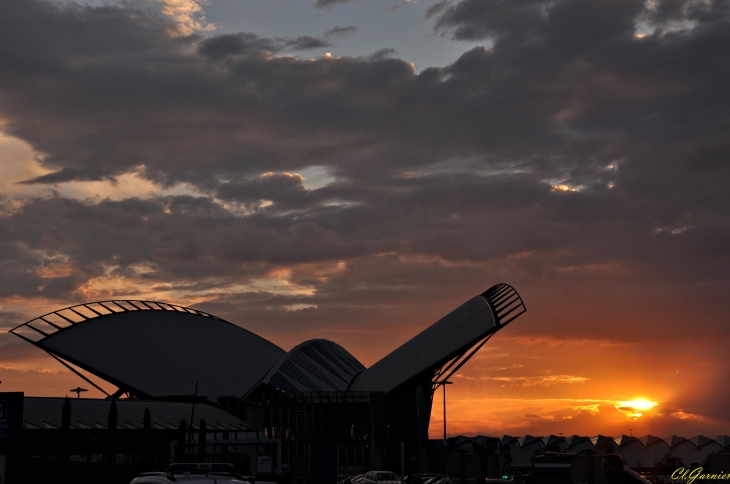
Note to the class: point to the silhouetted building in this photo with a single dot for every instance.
(312, 412)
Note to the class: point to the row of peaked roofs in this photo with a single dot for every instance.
(568, 442)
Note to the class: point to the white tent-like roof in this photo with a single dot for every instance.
(154, 349)
(448, 338)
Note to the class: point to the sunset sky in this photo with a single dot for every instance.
(356, 169)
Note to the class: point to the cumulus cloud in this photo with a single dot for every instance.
(425, 164)
(188, 16)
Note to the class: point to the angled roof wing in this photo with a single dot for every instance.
(447, 340)
(154, 349)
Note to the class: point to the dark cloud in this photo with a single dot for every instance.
(436, 8)
(330, 3)
(241, 44)
(339, 31)
(557, 95)
(306, 42)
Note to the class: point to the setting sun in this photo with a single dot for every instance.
(634, 408)
(638, 404)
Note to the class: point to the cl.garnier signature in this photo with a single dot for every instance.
(697, 473)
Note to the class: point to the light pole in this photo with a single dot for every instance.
(444, 383)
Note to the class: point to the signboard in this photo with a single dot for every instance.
(11, 426)
(264, 464)
(11, 417)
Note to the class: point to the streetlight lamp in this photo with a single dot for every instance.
(444, 383)
(78, 391)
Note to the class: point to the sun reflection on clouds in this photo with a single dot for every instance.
(563, 188)
(592, 409)
(22, 163)
(187, 14)
(279, 282)
(635, 408)
(527, 381)
(682, 415)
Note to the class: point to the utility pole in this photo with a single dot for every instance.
(444, 383)
(402, 460)
(192, 415)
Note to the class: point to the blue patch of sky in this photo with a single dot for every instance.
(315, 177)
(381, 24)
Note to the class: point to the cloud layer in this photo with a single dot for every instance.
(580, 155)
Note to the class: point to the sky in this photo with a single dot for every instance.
(355, 170)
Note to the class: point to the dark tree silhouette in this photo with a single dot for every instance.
(666, 465)
(606, 447)
(66, 415)
(201, 441)
(180, 447)
(147, 439)
(111, 421)
(111, 424)
(65, 430)
(147, 423)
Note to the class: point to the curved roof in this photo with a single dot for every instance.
(450, 337)
(154, 349)
(313, 366)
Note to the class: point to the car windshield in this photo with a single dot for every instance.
(386, 476)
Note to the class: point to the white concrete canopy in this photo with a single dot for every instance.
(157, 353)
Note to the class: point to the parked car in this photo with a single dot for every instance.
(440, 479)
(422, 478)
(381, 477)
(196, 474)
(358, 479)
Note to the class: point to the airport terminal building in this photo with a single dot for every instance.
(192, 386)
